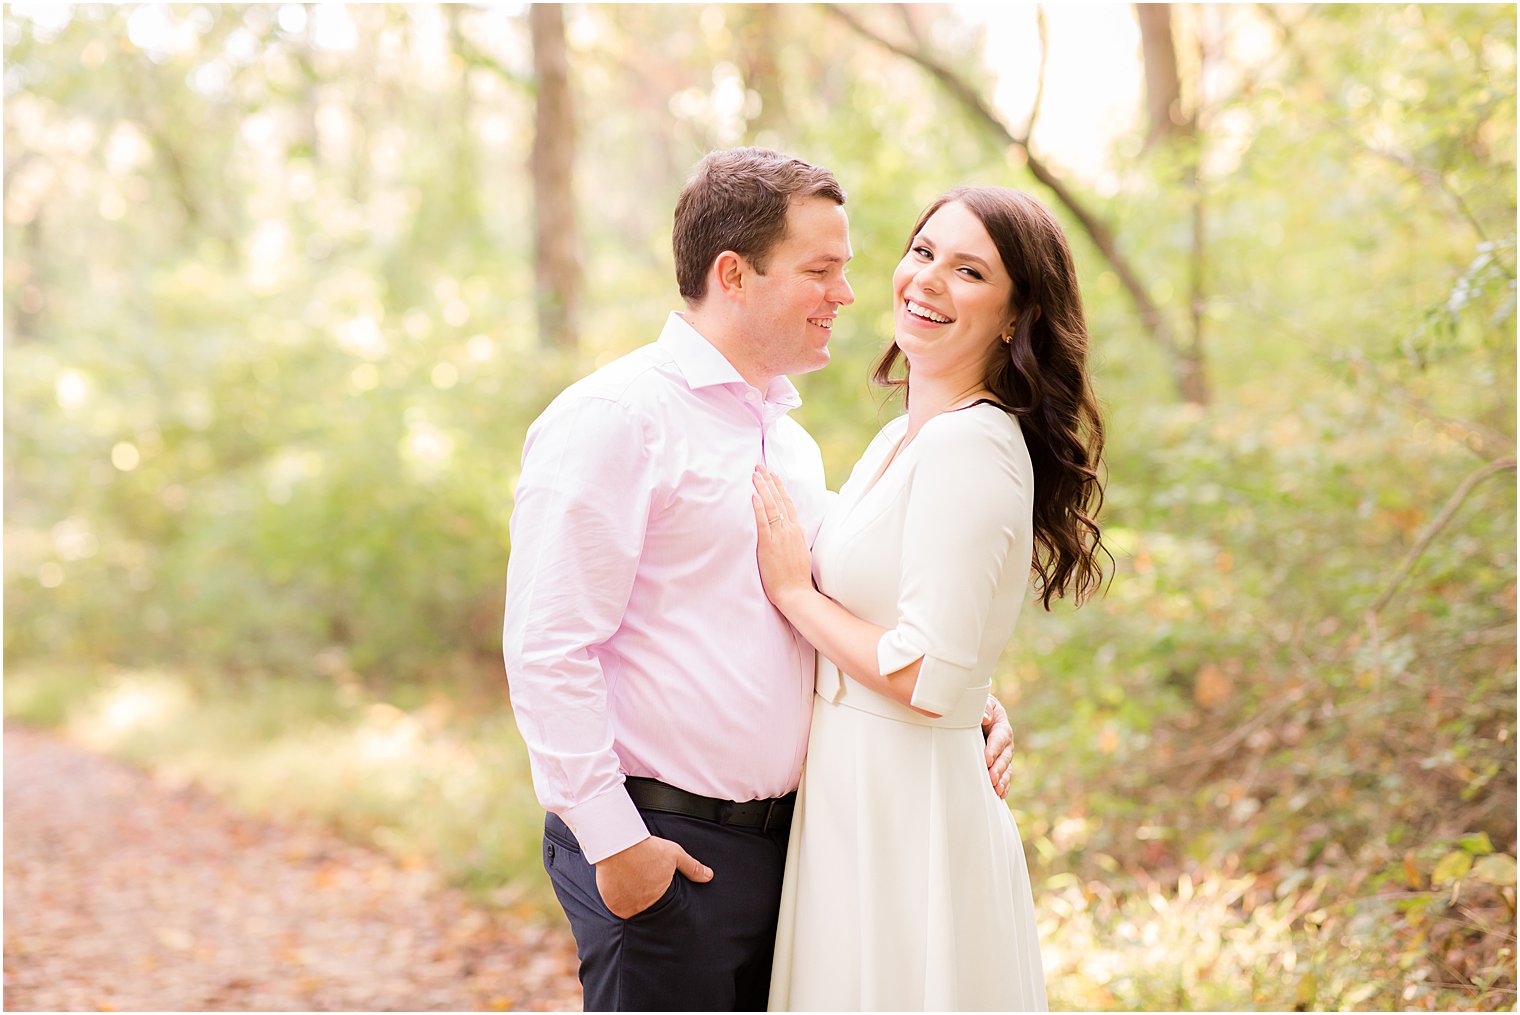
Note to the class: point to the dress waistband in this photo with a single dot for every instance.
(838, 688)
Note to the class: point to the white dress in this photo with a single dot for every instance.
(906, 887)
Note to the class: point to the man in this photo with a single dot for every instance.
(663, 700)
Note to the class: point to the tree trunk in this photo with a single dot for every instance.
(757, 30)
(557, 266)
(25, 311)
(464, 203)
(1169, 121)
(1194, 382)
(1163, 85)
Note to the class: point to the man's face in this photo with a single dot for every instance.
(790, 310)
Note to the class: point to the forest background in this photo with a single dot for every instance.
(285, 285)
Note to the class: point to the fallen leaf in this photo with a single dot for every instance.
(1452, 867)
(1211, 687)
(1411, 872)
(1496, 869)
(174, 938)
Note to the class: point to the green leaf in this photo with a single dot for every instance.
(1453, 867)
(1358, 994)
(1477, 844)
(1307, 991)
(1496, 869)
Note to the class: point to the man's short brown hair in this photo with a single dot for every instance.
(736, 200)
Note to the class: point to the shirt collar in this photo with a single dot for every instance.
(704, 366)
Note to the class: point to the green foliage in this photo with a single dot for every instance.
(270, 359)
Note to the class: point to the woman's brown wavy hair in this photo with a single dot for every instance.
(1040, 376)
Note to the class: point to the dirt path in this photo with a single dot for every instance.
(121, 893)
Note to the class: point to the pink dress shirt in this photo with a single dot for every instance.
(638, 639)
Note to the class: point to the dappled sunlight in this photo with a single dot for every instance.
(131, 704)
(72, 388)
(1191, 946)
(427, 448)
(276, 326)
(386, 736)
(1230, 943)
(362, 337)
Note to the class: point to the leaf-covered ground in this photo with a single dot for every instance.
(122, 892)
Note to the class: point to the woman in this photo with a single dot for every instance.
(906, 886)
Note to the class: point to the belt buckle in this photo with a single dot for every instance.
(765, 826)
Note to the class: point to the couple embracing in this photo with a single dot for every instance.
(691, 615)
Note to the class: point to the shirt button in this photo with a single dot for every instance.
(749, 396)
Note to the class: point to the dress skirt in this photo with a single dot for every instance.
(906, 886)
(905, 883)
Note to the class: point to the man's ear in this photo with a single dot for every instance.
(729, 274)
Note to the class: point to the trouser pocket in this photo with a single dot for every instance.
(565, 863)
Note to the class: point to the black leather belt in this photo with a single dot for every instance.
(765, 815)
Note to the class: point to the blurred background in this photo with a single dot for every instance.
(285, 285)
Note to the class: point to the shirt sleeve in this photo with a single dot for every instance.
(965, 501)
(577, 532)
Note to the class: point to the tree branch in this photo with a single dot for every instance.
(1154, 322)
(1043, 30)
(1434, 529)
(1433, 179)
(139, 110)
(952, 83)
(1469, 433)
(1430, 178)
(473, 57)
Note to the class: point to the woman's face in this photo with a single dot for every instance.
(952, 294)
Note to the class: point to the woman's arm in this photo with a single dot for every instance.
(941, 608)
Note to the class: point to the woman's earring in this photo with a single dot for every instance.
(1008, 338)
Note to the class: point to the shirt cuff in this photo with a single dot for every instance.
(940, 684)
(605, 825)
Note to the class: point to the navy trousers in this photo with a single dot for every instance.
(701, 947)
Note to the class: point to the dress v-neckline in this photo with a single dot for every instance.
(902, 445)
(892, 456)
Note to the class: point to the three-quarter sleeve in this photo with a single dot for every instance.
(578, 526)
(966, 502)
